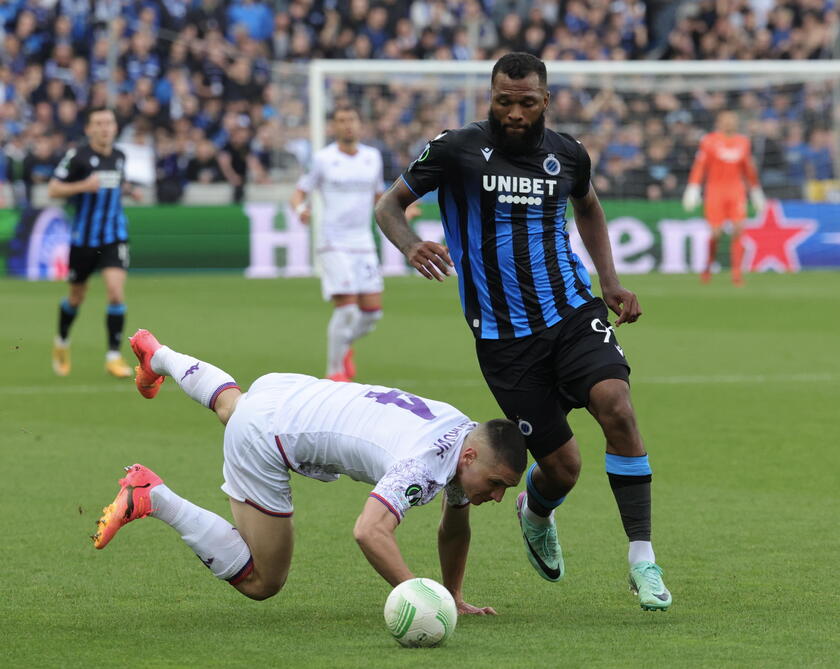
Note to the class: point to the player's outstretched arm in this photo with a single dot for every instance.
(592, 226)
(453, 546)
(429, 258)
(374, 532)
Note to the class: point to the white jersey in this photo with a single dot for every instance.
(349, 186)
(407, 446)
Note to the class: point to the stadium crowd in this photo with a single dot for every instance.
(217, 90)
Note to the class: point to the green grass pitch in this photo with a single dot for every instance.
(738, 397)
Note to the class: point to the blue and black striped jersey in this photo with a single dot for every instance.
(504, 218)
(99, 218)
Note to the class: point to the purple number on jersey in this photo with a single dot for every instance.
(405, 401)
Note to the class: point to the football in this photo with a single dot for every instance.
(420, 613)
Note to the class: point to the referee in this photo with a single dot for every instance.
(91, 178)
(544, 342)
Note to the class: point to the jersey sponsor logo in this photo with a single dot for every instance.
(487, 152)
(730, 155)
(518, 185)
(414, 493)
(551, 165)
(108, 178)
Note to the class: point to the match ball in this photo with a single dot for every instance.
(420, 613)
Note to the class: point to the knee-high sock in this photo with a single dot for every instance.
(215, 541)
(66, 315)
(366, 322)
(114, 323)
(630, 479)
(198, 379)
(340, 331)
(712, 253)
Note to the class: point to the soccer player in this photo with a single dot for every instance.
(409, 447)
(543, 340)
(92, 178)
(724, 162)
(349, 176)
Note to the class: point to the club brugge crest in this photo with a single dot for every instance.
(551, 165)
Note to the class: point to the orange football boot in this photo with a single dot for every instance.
(144, 344)
(349, 365)
(133, 501)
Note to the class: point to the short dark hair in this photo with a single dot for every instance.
(518, 65)
(507, 443)
(95, 110)
(344, 107)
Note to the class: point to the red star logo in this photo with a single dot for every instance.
(771, 241)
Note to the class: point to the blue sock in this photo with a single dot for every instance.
(534, 494)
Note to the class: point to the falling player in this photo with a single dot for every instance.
(724, 162)
(91, 177)
(348, 175)
(411, 448)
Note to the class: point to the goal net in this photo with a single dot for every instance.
(640, 121)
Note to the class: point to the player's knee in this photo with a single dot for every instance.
(262, 589)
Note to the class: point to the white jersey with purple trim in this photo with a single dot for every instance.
(407, 445)
(349, 185)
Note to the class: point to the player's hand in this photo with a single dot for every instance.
(623, 303)
(757, 198)
(470, 610)
(89, 185)
(691, 197)
(430, 259)
(304, 215)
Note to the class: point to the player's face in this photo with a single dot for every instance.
(517, 110)
(728, 123)
(483, 479)
(101, 128)
(347, 126)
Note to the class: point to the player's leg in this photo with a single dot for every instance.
(522, 382)
(257, 572)
(715, 210)
(271, 542)
(736, 250)
(203, 382)
(80, 267)
(338, 284)
(629, 473)
(114, 264)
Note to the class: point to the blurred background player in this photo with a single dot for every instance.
(411, 448)
(724, 161)
(91, 178)
(348, 175)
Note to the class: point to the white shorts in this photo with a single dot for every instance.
(254, 470)
(350, 273)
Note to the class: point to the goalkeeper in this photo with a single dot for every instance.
(724, 161)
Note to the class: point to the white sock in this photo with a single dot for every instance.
(640, 551)
(200, 380)
(340, 331)
(112, 355)
(214, 540)
(533, 518)
(366, 323)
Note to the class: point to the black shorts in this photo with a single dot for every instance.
(85, 260)
(538, 379)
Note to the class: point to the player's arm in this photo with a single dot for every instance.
(226, 165)
(298, 204)
(66, 182)
(374, 532)
(592, 226)
(691, 197)
(429, 258)
(453, 546)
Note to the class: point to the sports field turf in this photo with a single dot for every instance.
(738, 396)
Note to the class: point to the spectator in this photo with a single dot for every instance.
(38, 165)
(203, 167)
(233, 159)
